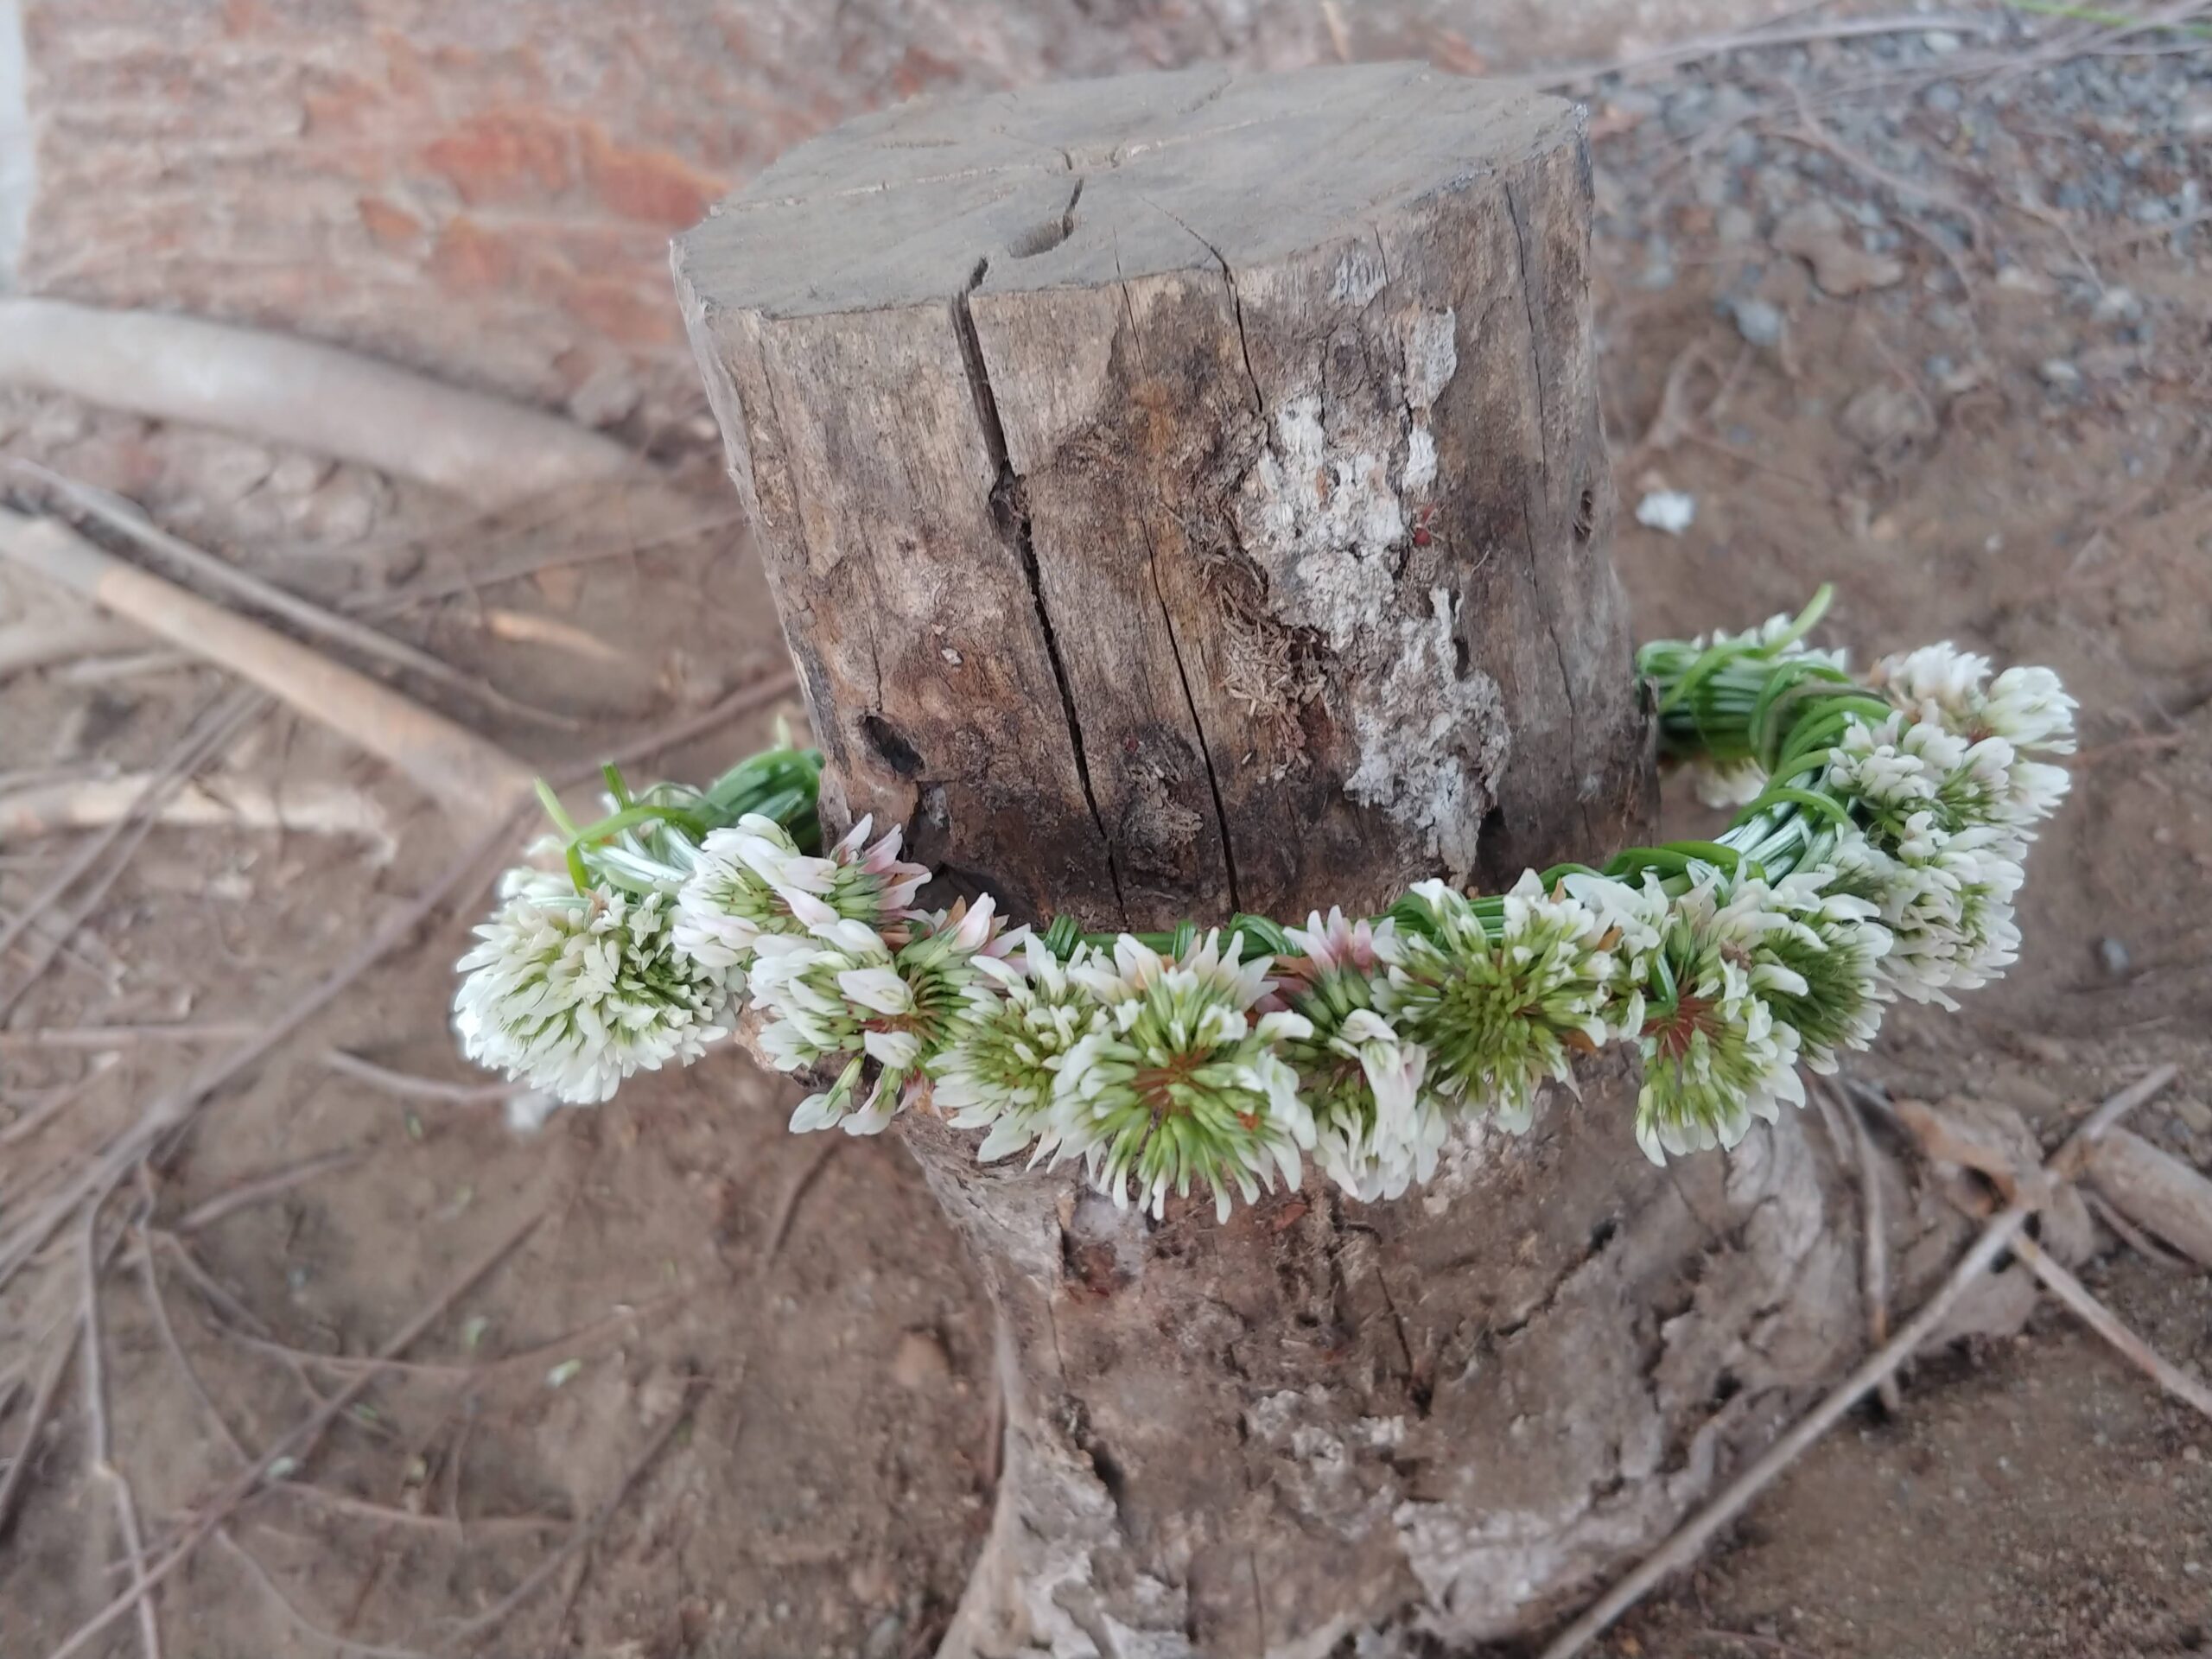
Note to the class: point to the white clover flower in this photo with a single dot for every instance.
(570, 993)
(752, 879)
(2029, 707)
(1895, 769)
(1498, 1015)
(843, 993)
(1377, 1129)
(1726, 783)
(1832, 945)
(1178, 1084)
(1009, 1041)
(1947, 900)
(2026, 707)
(1714, 1056)
(1763, 638)
(740, 890)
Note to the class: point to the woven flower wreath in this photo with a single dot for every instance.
(1885, 817)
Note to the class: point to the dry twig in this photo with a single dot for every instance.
(299, 1620)
(296, 1444)
(407, 1086)
(473, 776)
(262, 1188)
(214, 727)
(99, 1448)
(586, 1531)
(127, 518)
(2108, 1325)
(235, 803)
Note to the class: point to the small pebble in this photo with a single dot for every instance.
(1940, 41)
(2195, 1115)
(1735, 225)
(2113, 955)
(1670, 511)
(920, 1361)
(2059, 374)
(1758, 322)
(2119, 303)
(1943, 97)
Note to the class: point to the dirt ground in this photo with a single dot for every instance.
(1990, 426)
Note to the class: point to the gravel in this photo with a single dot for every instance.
(1758, 322)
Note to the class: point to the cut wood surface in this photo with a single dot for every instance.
(473, 778)
(1186, 493)
(288, 391)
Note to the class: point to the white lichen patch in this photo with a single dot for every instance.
(1432, 738)
(1319, 498)
(1431, 356)
(1335, 504)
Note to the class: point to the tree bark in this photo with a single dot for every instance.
(1184, 493)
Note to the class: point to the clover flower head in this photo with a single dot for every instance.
(1765, 638)
(741, 888)
(844, 993)
(1726, 783)
(867, 880)
(1499, 1013)
(1009, 1040)
(1714, 1056)
(1178, 1084)
(1946, 898)
(1832, 945)
(1895, 769)
(2026, 707)
(1377, 1129)
(572, 992)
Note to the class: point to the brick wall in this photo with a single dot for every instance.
(486, 188)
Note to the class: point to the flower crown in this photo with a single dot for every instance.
(1884, 821)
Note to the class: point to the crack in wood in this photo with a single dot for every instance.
(1010, 511)
(1236, 301)
(1198, 725)
(1530, 499)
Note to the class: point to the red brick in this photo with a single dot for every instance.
(469, 259)
(391, 226)
(655, 186)
(505, 155)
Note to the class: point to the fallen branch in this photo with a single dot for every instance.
(475, 779)
(300, 393)
(240, 804)
(1688, 1541)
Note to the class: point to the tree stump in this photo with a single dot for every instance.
(1182, 494)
